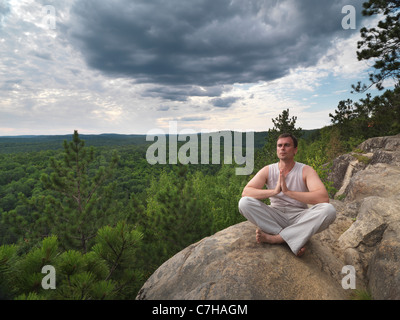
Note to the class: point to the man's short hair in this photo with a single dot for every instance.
(289, 135)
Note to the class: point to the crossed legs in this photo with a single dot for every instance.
(294, 226)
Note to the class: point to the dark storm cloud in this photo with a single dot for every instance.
(204, 42)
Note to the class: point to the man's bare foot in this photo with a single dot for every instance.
(301, 252)
(261, 237)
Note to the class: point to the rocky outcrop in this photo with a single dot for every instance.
(382, 151)
(231, 265)
(372, 200)
(365, 235)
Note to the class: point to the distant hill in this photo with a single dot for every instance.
(38, 143)
(32, 143)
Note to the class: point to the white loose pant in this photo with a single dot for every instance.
(295, 225)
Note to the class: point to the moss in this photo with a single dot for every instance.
(360, 294)
(361, 158)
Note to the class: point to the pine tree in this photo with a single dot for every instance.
(108, 271)
(282, 124)
(175, 216)
(381, 44)
(82, 202)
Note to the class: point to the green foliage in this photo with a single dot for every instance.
(316, 155)
(23, 275)
(77, 200)
(118, 247)
(85, 206)
(381, 44)
(8, 257)
(361, 158)
(379, 116)
(360, 294)
(175, 217)
(370, 117)
(220, 194)
(106, 272)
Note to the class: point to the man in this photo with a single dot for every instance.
(291, 187)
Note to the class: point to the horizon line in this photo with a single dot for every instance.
(132, 134)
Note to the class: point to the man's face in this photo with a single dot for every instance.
(285, 149)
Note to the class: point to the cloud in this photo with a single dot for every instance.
(162, 108)
(42, 55)
(182, 92)
(194, 118)
(11, 84)
(223, 102)
(127, 66)
(4, 9)
(204, 42)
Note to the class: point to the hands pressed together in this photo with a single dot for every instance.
(281, 185)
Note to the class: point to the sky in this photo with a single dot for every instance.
(131, 66)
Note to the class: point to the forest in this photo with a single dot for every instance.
(95, 209)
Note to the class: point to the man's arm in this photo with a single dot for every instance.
(254, 188)
(317, 191)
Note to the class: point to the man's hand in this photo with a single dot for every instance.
(282, 180)
(278, 187)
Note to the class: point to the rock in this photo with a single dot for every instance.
(345, 167)
(231, 265)
(376, 180)
(372, 198)
(367, 229)
(342, 168)
(384, 271)
(380, 150)
(390, 144)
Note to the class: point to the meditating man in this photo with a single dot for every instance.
(291, 186)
